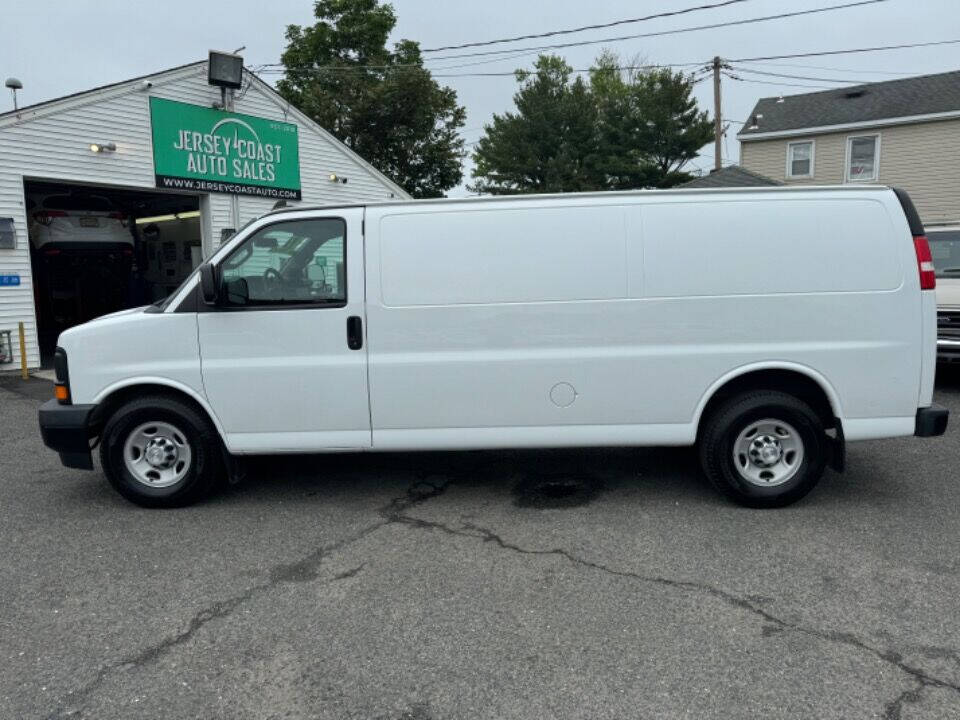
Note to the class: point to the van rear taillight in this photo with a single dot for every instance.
(928, 276)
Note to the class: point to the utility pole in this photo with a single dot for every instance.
(717, 119)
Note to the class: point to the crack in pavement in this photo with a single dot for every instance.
(890, 657)
(894, 708)
(307, 569)
(303, 570)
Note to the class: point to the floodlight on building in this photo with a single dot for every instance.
(225, 70)
(104, 147)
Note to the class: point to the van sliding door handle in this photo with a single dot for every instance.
(354, 332)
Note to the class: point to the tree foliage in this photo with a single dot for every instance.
(548, 144)
(623, 129)
(381, 103)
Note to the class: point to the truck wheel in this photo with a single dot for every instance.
(159, 452)
(764, 449)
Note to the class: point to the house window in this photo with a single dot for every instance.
(800, 159)
(863, 156)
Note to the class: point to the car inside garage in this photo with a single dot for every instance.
(96, 250)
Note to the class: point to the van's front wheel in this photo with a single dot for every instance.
(159, 452)
(764, 449)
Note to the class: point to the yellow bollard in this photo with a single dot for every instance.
(23, 353)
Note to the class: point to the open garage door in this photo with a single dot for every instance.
(96, 250)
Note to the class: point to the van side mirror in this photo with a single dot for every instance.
(209, 284)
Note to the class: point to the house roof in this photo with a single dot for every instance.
(730, 176)
(907, 97)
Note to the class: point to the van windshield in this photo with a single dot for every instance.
(945, 249)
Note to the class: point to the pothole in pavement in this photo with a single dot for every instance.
(558, 490)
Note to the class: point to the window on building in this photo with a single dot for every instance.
(800, 159)
(862, 157)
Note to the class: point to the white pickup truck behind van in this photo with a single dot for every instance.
(766, 326)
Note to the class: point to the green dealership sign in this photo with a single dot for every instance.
(208, 150)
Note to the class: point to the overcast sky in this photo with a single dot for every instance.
(57, 47)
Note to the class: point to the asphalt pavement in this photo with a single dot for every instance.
(560, 584)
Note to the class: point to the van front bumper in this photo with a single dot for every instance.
(66, 429)
(931, 421)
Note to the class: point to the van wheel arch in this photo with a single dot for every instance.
(792, 382)
(109, 404)
(118, 398)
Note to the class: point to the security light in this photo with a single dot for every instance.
(97, 147)
(14, 85)
(225, 70)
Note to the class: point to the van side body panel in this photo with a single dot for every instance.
(122, 349)
(609, 320)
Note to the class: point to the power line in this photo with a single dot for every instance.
(846, 52)
(836, 69)
(510, 73)
(712, 26)
(274, 67)
(798, 77)
(778, 84)
(583, 28)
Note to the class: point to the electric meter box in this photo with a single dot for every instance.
(8, 235)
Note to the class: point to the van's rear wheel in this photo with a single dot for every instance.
(159, 452)
(764, 449)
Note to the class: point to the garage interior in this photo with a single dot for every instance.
(96, 250)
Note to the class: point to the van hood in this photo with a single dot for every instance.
(77, 330)
(948, 293)
(121, 313)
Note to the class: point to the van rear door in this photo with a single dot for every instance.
(283, 356)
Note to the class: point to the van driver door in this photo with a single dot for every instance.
(283, 354)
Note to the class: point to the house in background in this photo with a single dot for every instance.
(898, 132)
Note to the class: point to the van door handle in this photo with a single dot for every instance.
(354, 332)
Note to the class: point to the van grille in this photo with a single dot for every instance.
(948, 323)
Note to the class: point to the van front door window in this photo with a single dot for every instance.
(296, 262)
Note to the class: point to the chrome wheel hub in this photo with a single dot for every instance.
(768, 452)
(157, 454)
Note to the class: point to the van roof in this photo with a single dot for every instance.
(601, 194)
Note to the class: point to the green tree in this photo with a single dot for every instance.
(548, 144)
(625, 129)
(381, 103)
(650, 125)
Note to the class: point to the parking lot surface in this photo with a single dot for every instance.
(573, 584)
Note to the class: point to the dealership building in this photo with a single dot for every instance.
(110, 197)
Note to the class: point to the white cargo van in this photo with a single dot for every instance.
(766, 326)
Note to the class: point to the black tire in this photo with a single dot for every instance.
(722, 428)
(206, 462)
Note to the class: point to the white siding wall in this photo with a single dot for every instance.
(52, 142)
